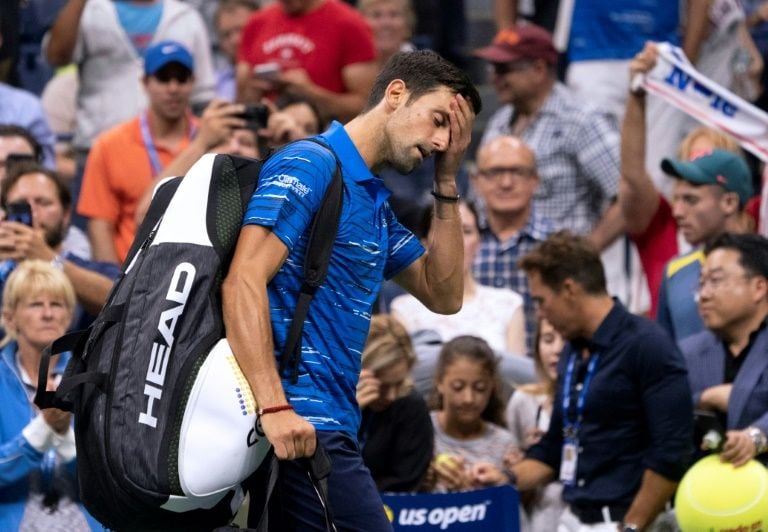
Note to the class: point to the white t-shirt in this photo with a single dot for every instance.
(487, 314)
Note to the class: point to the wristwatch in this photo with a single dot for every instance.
(759, 439)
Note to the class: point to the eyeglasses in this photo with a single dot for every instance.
(497, 173)
(717, 282)
(506, 68)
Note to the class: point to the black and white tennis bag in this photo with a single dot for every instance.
(165, 421)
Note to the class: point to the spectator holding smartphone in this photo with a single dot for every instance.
(239, 129)
(321, 50)
(44, 238)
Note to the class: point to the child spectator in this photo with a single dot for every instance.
(395, 432)
(470, 440)
(528, 414)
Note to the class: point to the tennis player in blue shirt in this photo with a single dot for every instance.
(420, 106)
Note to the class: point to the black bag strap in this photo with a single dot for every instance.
(73, 341)
(316, 261)
(155, 212)
(318, 469)
(76, 342)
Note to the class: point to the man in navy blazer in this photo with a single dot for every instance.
(728, 362)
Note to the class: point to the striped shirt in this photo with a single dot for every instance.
(577, 155)
(370, 246)
(496, 264)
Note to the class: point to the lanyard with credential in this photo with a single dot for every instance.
(571, 428)
(149, 144)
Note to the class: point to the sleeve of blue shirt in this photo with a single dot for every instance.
(290, 190)
(666, 396)
(404, 247)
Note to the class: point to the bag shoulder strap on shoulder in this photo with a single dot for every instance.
(155, 212)
(316, 261)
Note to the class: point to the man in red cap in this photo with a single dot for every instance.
(576, 148)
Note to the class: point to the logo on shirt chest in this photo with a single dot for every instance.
(288, 40)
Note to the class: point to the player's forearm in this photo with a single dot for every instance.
(249, 332)
(444, 263)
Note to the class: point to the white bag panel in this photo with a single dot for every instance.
(178, 504)
(184, 219)
(219, 422)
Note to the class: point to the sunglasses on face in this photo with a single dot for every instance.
(507, 68)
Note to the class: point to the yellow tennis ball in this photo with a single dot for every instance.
(717, 496)
(445, 458)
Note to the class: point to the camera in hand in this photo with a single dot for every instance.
(255, 115)
(19, 211)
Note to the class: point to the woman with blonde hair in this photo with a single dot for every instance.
(395, 432)
(38, 489)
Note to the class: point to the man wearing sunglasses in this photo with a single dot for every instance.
(124, 159)
(576, 145)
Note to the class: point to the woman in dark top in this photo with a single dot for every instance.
(395, 432)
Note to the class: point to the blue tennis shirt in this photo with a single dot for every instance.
(371, 245)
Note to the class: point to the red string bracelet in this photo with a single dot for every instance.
(273, 409)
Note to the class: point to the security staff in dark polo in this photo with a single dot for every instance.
(621, 433)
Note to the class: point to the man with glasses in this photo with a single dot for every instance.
(124, 159)
(710, 194)
(506, 179)
(576, 145)
(727, 363)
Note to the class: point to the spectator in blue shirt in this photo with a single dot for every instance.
(420, 106)
(622, 423)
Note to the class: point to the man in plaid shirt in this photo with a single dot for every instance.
(576, 145)
(576, 148)
(506, 180)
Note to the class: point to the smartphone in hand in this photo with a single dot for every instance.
(269, 71)
(19, 211)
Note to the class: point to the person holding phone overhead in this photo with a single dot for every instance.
(321, 50)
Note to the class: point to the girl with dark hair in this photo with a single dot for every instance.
(468, 416)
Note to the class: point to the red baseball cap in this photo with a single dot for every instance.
(522, 41)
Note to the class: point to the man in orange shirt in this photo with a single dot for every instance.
(124, 159)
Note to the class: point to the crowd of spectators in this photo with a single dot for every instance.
(661, 212)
